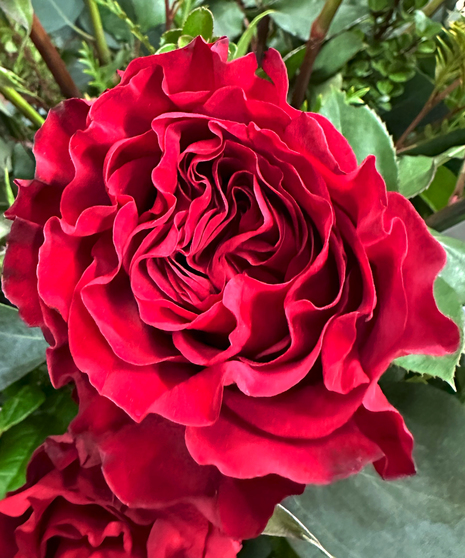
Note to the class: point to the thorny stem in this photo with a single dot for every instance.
(22, 105)
(318, 33)
(53, 60)
(103, 52)
(434, 99)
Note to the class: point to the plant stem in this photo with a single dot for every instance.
(447, 217)
(21, 104)
(262, 36)
(52, 58)
(434, 99)
(167, 15)
(103, 52)
(318, 33)
(459, 186)
(432, 7)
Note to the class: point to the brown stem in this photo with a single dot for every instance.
(447, 217)
(318, 33)
(53, 60)
(262, 36)
(168, 15)
(434, 99)
(459, 186)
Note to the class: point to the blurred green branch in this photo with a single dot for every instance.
(103, 52)
(21, 104)
(318, 33)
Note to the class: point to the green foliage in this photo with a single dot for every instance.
(20, 11)
(297, 16)
(442, 367)
(19, 406)
(103, 76)
(199, 22)
(375, 139)
(30, 412)
(56, 14)
(114, 7)
(415, 174)
(450, 57)
(22, 348)
(244, 41)
(454, 271)
(418, 517)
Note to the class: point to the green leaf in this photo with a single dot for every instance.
(5, 227)
(418, 517)
(284, 524)
(170, 37)
(454, 271)
(244, 41)
(426, 27)
(334, 54)
(19, 406)
(166, 48)
(23, 162)
(55, 14)
(440, 366)
(296, 17)
(415, 174)
(438, 194)
(365, 132)
(184, 40)
(22, 348)
(20, 11)
(18, 444)
(199, 22)
(228, 18)
(379, 5)
(149, 13)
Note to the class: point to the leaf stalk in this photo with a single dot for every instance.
(318, 33)
(103, 52)
(22, 105)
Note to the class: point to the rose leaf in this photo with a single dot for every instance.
(22, 348)
(18, 407)
(56, 14)
(18, 444)
(415, 174)
(421, 516)
(199, 22)
(442, 367)
(20, 11)
(454, 271)
(365, 132)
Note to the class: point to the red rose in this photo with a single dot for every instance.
(204, 252)
(67, 510)
(147, 465)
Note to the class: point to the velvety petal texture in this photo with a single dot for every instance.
(219, 267)
(67, 510)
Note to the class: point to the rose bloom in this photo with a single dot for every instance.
(206, 253)
(67, 510)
